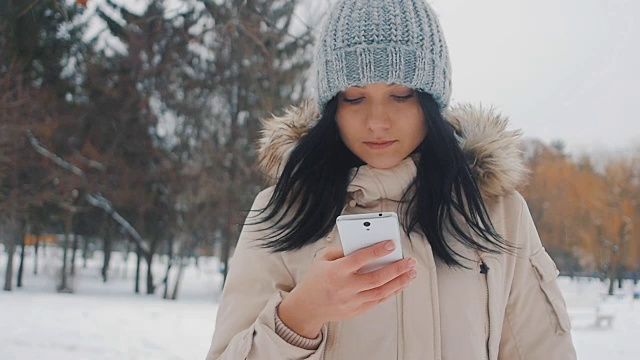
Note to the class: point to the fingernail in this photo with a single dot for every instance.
(389, 245)
(412, 263)
(413, 274)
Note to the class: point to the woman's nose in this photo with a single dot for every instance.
(378, 118)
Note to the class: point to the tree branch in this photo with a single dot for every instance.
(96, 200)
(91, 163)
(53, 157)
(101, 202)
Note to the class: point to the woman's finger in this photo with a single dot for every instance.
(382, 276)
(330, 253)
(382, 292)
(356, 260)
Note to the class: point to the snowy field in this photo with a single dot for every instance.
(109, 321)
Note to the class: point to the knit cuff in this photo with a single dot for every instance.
(294, 338)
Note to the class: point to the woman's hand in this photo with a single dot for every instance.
(332, 290)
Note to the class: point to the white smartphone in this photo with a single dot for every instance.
(362, 230)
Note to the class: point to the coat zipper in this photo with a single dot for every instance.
(329, 340)
(484, 270)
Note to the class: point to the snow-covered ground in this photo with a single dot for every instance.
(621, 340)
(109, 321)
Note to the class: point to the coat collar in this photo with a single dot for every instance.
(369, 184)
(493, 151)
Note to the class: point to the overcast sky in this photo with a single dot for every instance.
(563, 69)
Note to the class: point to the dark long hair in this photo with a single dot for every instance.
(312, 190)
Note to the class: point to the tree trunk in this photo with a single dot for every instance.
(22, 246)
(181, 266)
(127, 251)
(176, 286)
(64, 286)
(73, 254)
(230, 232)
(226, 249)
(85, 252)
(107, 249)
(612, 276)
(11, 249)
(36, 246)
(230, 228)
(151, 289)
(138, 260)
(620, 275)
(612, 281)
(166, 276)
(231, 204)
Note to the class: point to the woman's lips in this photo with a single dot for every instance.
(378, 145)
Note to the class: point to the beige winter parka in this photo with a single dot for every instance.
(514, 310)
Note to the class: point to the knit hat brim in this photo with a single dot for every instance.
(366, 64)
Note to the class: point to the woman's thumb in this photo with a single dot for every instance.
(330, 253)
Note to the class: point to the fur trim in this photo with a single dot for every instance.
(493, 151)
(281, 134)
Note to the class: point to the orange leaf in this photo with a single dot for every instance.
(82, 3)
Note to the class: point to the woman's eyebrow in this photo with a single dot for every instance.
(388, 85)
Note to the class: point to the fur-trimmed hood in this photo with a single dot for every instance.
(494, 152)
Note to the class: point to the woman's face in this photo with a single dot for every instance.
(380, 123)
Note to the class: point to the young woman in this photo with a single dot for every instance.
(475, 281)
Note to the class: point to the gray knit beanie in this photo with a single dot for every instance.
(390, 41)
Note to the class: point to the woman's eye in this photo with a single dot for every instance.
(403, 98)
(352, 101)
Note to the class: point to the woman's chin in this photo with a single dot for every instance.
(382, 163)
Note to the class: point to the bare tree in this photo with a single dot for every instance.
(257, 66)
(8, 277)
(23, 235)
(162, 126)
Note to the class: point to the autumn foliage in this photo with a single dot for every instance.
(586, 215)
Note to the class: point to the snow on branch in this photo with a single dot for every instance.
(55, 158)
(101, 202)
(97, 200)
(91, 163)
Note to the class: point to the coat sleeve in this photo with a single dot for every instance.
(257, 282)
(536, 323)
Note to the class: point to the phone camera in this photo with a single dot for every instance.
(367, 224)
